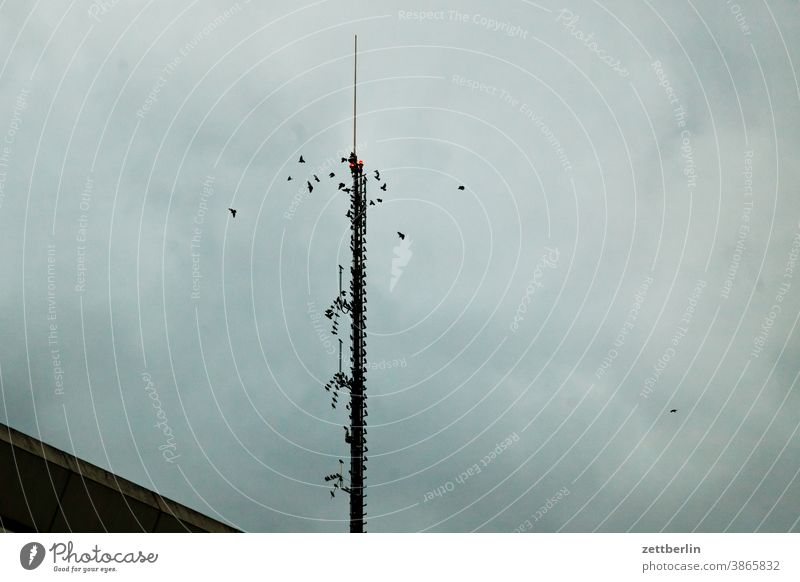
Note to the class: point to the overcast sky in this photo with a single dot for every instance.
(625, 245)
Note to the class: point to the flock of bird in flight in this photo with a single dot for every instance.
(343, 187)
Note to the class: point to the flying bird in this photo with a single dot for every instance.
(315, 177)
(341, 185)
(461, 187)
(289, 179)
(331, 175)
(379, 199)
(372, 203)
(377, 175)
(674, 410)
(233, 212)
(401, 235)
(344, 160)
(310, 187)
(383, 187)
(301, 160)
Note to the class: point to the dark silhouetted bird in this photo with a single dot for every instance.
(372, 203)
(332, 495)
(347, 190)
(341, 185)
(344, 160)
(315, 178)
(377, 175)
(331, 175)
(379, 199)
(310, 187)
(383, 187)
(461, 187)
(401, 235)
(301, 160)
(289, 179)
(233, 212)
(674, 410)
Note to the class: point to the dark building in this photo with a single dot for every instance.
(43, 489)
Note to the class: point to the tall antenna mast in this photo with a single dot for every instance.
(356, 306)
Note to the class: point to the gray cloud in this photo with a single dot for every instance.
(132, 109)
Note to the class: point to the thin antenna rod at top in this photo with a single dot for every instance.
(355, 67)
